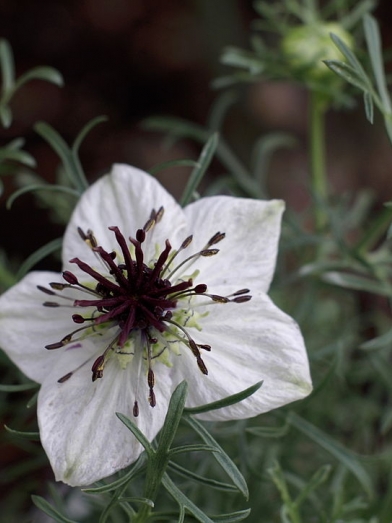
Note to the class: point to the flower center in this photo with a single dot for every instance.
(136, 299)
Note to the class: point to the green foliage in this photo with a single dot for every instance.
(325, 459)
(10, 85)
(299, 30)
(375, 90)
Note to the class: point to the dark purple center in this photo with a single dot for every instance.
(135, 296)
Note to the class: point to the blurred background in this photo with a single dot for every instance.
(131, 59)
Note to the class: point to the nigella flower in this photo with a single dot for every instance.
(150, 295)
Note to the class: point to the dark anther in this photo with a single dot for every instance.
(77, 318)
(65, 378)
(151, 399)
(134, 294)
(140, 235)
(59, 286)
(159, 214)
(216, 238)
(51, 304)
(97, 368)
(70, 278)
(204, 347)
(201, 365)
(151, 378)
(81, 234)
(45, 290)
(209, 252)
(53, 346)
(241, 299)
(200, 289)
(241, 291)
(186, 242)
(219, 299)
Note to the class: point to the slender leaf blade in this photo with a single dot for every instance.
(49, 74)
(38, 255)
(200, 169)
(47, 508)
(225, 402)
(373, 40)
(221, 457)
(7, 66)
(137, 433)
(341, 453)
(184, 501)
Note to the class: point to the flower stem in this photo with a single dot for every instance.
(155, 469)
(319, 179)
(158, 459)
(290, 507)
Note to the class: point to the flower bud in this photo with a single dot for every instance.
(306, 46)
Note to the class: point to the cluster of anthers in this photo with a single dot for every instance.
(136, 297)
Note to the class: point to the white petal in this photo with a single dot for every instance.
(125, 199)
(82, 436)
(251, 342)
(26, 326)
(248, 253)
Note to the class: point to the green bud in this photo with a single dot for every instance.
(306, 46)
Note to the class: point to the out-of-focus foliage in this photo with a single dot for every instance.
(326, 459)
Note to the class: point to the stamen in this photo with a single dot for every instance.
(219, 299)
(97, 368)
(241, 299)
(70, 374)
(192, 345)
(204, 347)
(51, 304)
(96, 275)
(161, 261)
(65, 378)
(204, 253)
(100, 362)
(208, 252)
(67, 339)
(88, 238)
(151, 399)
(125, 251)
(140, 235)
(137, 298)
(45, 290)
(138, 370)
(77, 318)
(60, 286)
(218, 237)
(117, 273)
(151, 382)
(155, 217)
(70, 278)
(159, 214)
(183, 246)
(241, 291)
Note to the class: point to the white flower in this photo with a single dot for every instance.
(130, 318)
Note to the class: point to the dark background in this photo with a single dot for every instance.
(129, 59)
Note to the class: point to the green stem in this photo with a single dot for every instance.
(158, 459)
(317, 158)
(156, 468)
(290, 507)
